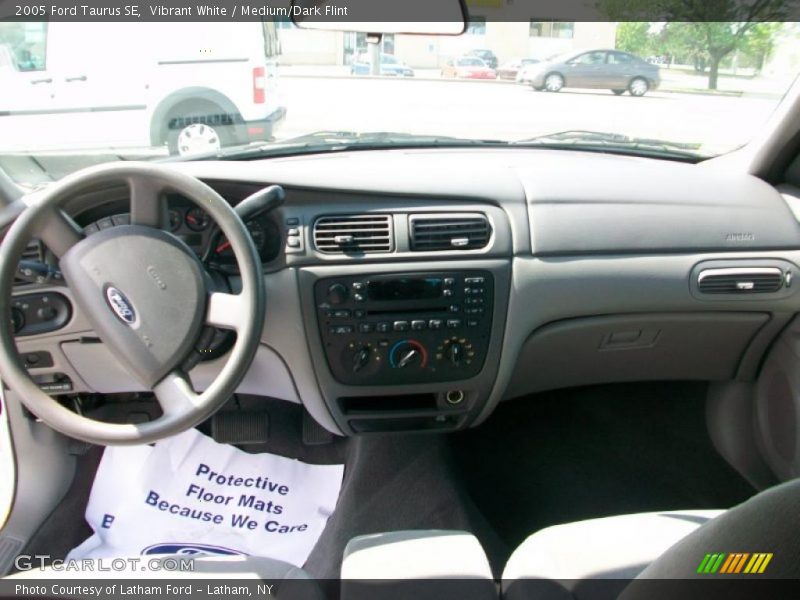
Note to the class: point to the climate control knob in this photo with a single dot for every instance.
(361, 358)
(407, 354)
(456, 351)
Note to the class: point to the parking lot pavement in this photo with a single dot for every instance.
(512, 112)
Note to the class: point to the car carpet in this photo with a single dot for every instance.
(581, 453)
(391, 482)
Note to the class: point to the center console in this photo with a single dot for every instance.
(405, 328)
(405, 347)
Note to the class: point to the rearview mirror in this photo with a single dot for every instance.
(443, 17)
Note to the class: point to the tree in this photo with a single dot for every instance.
(634, 37)
(713, 28)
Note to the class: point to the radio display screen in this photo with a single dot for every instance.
(405, 289)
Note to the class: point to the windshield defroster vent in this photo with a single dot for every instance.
(740, 280)
(437, 232)
(353, 234)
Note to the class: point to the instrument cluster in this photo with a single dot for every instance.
(195, 227)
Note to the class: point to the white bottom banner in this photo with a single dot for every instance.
(189, 494)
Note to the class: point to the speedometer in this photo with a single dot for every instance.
(257, 232)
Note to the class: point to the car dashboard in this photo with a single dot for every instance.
(411, 294)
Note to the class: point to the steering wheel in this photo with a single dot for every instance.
(146, 295)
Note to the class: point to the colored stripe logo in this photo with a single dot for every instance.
(734, 563)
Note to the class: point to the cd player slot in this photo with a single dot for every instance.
(394, 311)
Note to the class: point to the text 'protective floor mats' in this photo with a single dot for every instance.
(189, 494)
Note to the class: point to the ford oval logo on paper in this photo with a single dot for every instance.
(121, 306)
(191, 549)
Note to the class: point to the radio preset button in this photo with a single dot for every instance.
(359, 297)
(359, 314)
(453, 323)
(341, 329)
(435, 324)
(358, 286)
(401, 325)
(471, 280)
(447, 293)
(472, 323)
(454, 308)
(418, 325)
(339, 314)
(383, 327)
(449, 282)
(365, 327)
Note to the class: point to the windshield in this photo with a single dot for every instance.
(75, 93)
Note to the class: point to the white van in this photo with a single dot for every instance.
(189, 87)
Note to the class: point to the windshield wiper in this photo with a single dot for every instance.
(336, 141)
(339, 141)
(618, 142)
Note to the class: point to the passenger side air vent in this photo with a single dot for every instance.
(436, 232)
(740, 280)
(353, 234)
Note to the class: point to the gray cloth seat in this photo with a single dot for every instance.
(419, 564)
(597, 559)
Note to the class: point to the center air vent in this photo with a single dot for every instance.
(740, 280)
(467, 231)
(353, 234)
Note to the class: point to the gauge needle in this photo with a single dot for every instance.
(223, 246)
(192, 219)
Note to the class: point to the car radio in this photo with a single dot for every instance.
(405, 328)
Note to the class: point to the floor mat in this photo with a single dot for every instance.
(188, 494)
(589, 452)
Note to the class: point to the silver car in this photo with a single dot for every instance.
(604, 69)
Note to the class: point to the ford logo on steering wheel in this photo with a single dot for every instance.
(121, 306)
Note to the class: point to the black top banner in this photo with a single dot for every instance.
(331, 13)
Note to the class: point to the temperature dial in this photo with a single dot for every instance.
(408, 354)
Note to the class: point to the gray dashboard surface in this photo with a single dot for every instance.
(560, 202)
(608, 204)
(590, 235)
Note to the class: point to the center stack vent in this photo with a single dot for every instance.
(354, 234)
(439, 232)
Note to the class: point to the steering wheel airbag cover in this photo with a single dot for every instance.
(154, 287)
